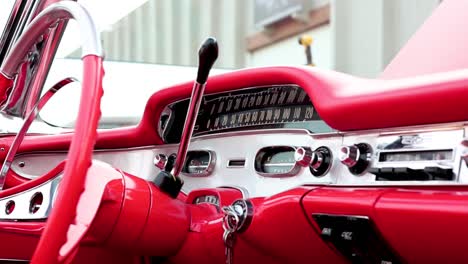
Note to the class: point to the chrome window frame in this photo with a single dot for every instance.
(30, 93)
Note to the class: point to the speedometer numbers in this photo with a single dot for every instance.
(273, 106)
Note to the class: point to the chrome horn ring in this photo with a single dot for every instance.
(27, 123)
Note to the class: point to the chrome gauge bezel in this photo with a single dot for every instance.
(259, 157)
(209, 169)
(326, 163)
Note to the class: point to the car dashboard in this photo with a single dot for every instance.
(268, 139)
(335, 153)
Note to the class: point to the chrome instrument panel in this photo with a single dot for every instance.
(18, 206)
(244, 145)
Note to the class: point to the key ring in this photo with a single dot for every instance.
(230, 219)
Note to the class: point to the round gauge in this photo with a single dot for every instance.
(276, 162)
(199, 163)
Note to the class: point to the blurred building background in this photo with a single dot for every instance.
(358, 37)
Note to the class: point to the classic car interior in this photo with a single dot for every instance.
(264, 165)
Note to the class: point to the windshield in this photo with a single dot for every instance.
(5, 12)
(152, 44)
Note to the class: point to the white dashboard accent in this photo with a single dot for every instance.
(245, 145)
(22, 202)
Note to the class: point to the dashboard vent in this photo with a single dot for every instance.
(236, 163)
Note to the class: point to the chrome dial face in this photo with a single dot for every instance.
(280, 162)
(276, 161)
(199, 163)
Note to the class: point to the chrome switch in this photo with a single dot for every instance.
(160, 161)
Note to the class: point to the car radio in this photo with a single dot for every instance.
(418, 156)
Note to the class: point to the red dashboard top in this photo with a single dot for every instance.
(345, 102)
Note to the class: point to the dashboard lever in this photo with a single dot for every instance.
(170, 182)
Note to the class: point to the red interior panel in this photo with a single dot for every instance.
(279, 228)
(425, 226)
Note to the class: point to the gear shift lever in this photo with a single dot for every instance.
(169, 182)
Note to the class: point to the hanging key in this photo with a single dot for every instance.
(236, 218)
(230, 226)
(229, 240)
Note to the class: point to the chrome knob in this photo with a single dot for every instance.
(303, 156)
(464, 154)
(160, 161)
(317, 160)
(349, 155)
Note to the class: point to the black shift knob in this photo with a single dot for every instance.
(207, 55)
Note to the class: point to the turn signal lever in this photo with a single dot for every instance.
(168, 178)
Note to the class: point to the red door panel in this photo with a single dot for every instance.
(279, 228)
(425, 226)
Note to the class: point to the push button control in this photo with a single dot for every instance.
(355, 238)
(409, 174)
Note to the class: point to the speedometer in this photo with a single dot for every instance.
(276, 161)
(275, 106)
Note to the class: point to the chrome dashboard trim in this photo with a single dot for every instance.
(244, 191)
(230, 166)
(26, 124)
(22, 202)
(245, 144)
(259, 131)
(166, 111)
(6, 261)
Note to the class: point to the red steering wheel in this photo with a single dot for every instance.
(50, 248)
